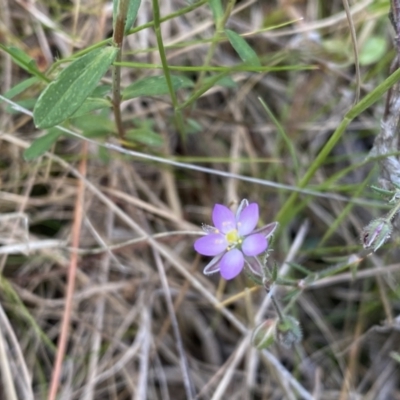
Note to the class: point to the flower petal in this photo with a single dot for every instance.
(248, 219)
(254, 266)
(231, 264)
(254, 244)
(223, 218)
(211, 245)
(208, 228)
(213, 266)
(243, 204)
(267, 230)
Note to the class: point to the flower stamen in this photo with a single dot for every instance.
(232, 237)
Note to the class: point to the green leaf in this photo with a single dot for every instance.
(154, 86)
(75, 83)
(91, 104)
(373, 50)
(145, 136)
(101, 91)
(23, 60)
(115, 11)
(395, 355)
(40, 145)
(131, 15)
(95, 125)
(225, 81)
(216, 9)
(192, 126)
(104, 154)
(245, 52)
(21, 87)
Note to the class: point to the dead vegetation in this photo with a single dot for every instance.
(105, 227)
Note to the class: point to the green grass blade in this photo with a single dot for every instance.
(245, 52)
(24, 61)
(285, 214)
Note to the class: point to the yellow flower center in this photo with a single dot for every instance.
(233, 237)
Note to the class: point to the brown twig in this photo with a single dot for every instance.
(395, 19)
(118, 39)
(76, 229)
(387, 140)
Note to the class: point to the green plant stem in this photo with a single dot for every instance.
(284, 214)
(335, 225)
(336, 268)
(164, 62)
(197, 93)
(150, 24)
(393, 211)
(12, 296)
(288, 142)
(228, 10)
(278, 309)
(234, 68)
(118, 39)
(219, 26)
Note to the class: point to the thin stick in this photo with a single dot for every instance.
(355, 48)
(395, 14)
(174, 322)
(8, 381)
(76, 229)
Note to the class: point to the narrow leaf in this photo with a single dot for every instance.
(373, 50)
(154, 86)
(115, 11)
(225, 81)
(40, 145)
(65, 95)
(101, 91)
(131, 15)
(23, 60)
(91, 104)
(145, 136)
(216, 9)
(95, 125)
(245, 52)
(21, 87)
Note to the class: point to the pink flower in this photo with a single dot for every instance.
(234, 241)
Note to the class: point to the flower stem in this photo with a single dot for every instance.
(278, 309)
(393, 211)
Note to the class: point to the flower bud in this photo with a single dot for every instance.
(288, 331)
(264, 334)
(376, 233)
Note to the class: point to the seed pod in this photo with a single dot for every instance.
(376, 233)
(288, 332)
(264, 334)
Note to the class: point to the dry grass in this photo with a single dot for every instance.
(145, 322)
